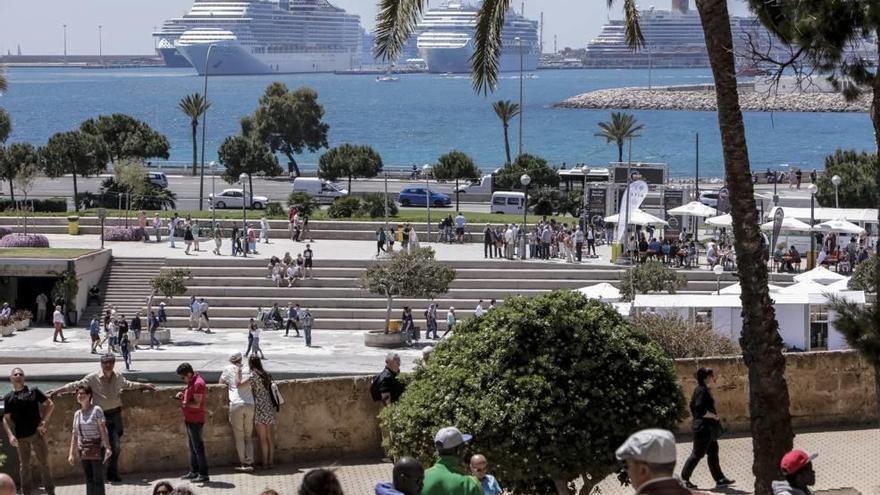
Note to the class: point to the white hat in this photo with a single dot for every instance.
(653, 446)
(450, 438)
(234, 356)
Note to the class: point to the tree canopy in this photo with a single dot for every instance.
(289, 122)
(5, 125)
(127, 137)
(13, 158)
(349, 160)
(76, 153)
(541, 173)
(456, 166)
(240, 155)
(548, 386)
(858, 185)
(651, 276)
(621, 128)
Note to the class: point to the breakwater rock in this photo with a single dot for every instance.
(702, 98)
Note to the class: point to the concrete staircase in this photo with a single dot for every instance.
(235, 289)
(125, 286)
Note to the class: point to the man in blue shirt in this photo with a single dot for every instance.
(479, 465)
(459, 227)
(409, 477)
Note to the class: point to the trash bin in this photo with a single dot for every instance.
(616, 251)
(393, 326)
(73, 225)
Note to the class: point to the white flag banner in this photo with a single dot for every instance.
(631, 201)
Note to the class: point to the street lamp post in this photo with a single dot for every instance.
(65, 43)
(204, 122)
(100, 44)
(812, 259)
(775, 182)
(426, 171)
(243, 179)
(836, 180)
(519, 44)
(213, 166)
(584, 171)
(525, 180)
(718, 270)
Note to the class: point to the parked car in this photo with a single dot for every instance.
(158, 178)
(709, 198)
(320, 189)
(418, 196)
(507, 202)
(481, 186)
(234, 198)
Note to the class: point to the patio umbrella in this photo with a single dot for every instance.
(603, 291)
(839, 226)
(694, 209)
(820, 275)
(789, 224)
(637, 217)
(721, 221)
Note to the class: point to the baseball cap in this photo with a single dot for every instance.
(653, 446)
(795, 460)
(450, 437)
(108, 358)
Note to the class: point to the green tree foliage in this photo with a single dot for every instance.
(171, 283)
(13, 158)
(241, 155)
(24, 180)
(683, 338)
(4, 84)
(550, 201)
(860, 326)
(651, 276)
(506, 111)
(374, 206)
(415, 275)
(549, 386)
(542, 174)
(194, 106)
(349, 160)
(5, 124)
(621, 128)
(863, 276)
(76, 153)
(149, 197)
(133, 178)
(127, 137)
(346, 207)
(456, 166)
(289, 122)
(304, 202)
(858, 186)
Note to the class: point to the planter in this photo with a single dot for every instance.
(163, 335)
(73, 225)
(378, 338)
(21, 324)
(7, 330)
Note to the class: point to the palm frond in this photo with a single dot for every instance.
(506, 110)
(4, 86)
(395, 22)
(488, 44)
(859, 325)
(634, 36)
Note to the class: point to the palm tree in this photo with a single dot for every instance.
(506, 110)
(761, 344)
(3, 83)
(622, 127)
(194, 106)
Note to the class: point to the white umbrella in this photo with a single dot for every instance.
(637, 217)
(693, 209)
(806, 287)
(603, 291)
(820, 275)
(736, 289)
(789, 224)
(721, 221)
(839, 226)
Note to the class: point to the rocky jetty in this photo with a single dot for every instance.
(702, 98)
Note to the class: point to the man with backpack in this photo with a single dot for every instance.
(386, 387)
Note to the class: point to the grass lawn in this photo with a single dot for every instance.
(43, 253)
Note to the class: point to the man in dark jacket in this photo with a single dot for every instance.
(389, 386)
(650, 462)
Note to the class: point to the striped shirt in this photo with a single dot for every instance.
(87, 424)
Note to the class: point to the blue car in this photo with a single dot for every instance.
(418, 196)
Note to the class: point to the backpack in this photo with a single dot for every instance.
(374, 388)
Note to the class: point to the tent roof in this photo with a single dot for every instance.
(733, 301)
(789, 224)
(693, 209)
(637, 217)
(603, 291)
(721, 221)
(867, 215)
(820, 275)
(839, 226)
(737, 289)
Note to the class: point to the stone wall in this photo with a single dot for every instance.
(321, 419)
(826, 388)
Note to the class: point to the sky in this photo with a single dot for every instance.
(36, 25)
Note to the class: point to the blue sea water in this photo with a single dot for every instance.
(422, 116)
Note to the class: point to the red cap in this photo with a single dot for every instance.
(793, 461)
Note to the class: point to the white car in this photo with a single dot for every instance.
(709, 198)
(234, 198)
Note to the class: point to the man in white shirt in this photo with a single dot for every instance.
(237, 379)
(579, 243)
(478, 311)
(508, 242)
(6, 312)
(58, 321)
(264, 229)
(459, 227)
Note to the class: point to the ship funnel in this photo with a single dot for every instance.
(680, 6)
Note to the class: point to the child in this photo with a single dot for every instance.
(276, 275)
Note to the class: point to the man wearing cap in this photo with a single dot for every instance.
(449, 475)
(241, 409)
(408, 478)
(107, 387)
(797, 467)
(650, 462)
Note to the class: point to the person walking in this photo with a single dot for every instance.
(192, 404)
(42, 302)
(197, 233)
(388, 385)
(95, 334)
(26, 411)
(125, 348)
(292, 319)
(88, 438)
(218, 239)
(431, 321)
(291, 220)
(264, 229)
(241, 409)
(173, 229)
(136, 328)
(157, 227)
(707, 429)
(307, 322)
(152, 325)
(488, 242)
(579, 243)
(380, 241)
(203, 315)
(649, 456)
(58, 321)
(591, 240)
(265, 407)
(187, 238)
(450, 321)
(107, 387)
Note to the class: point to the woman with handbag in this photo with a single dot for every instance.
(89, 436)
(707, 429)
(265, 407)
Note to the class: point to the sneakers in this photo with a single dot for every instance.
(724, 482)
(201, 479)
(189, 476)
(687, 484)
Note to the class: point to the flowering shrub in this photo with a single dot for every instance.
(681, 338)
(20, 240)
(5, 231)
(124, 234)
(22, 314)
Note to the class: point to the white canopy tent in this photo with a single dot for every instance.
(820, 275)
(789, 224)
(806, 287)
(693, 209)
(736, 289)
(839, 226)
(855, 215)
(637, 217)
(603, 292)
(840, 285)
(721, 221)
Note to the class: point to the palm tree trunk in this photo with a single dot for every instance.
(75, 193)
(11, 192)
(349, 184)
(875, 120)
(507, 142)
(620, 152)
(388, 313)
(761, 344)
(195, 127)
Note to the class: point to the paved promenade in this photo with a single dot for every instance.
(847, 458)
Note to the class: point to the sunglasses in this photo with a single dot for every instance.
(18, 374)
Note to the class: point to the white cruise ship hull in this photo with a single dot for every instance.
(231, 58)
(458, 60)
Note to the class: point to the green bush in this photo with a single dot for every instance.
(274, 209)
(345, 207)
(548, 386)
(44, 205)
(651, 276)
(374, 206)
(304, 202)
(680, 338)
(863, 276)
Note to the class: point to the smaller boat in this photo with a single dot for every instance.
(387, 78)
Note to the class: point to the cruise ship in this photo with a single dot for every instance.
(446, 39)
(269, 36)
(165, 38)
(673, 39)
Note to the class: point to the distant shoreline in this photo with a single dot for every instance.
(702, 98)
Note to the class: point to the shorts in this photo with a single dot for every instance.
(459, 230)
(308, 262)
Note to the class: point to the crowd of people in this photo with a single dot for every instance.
(548, 239)
(286, 271)
(843, 257)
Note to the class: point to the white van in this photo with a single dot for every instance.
(158, 178)
(322, 190)
(507, 202)
(481, 186)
